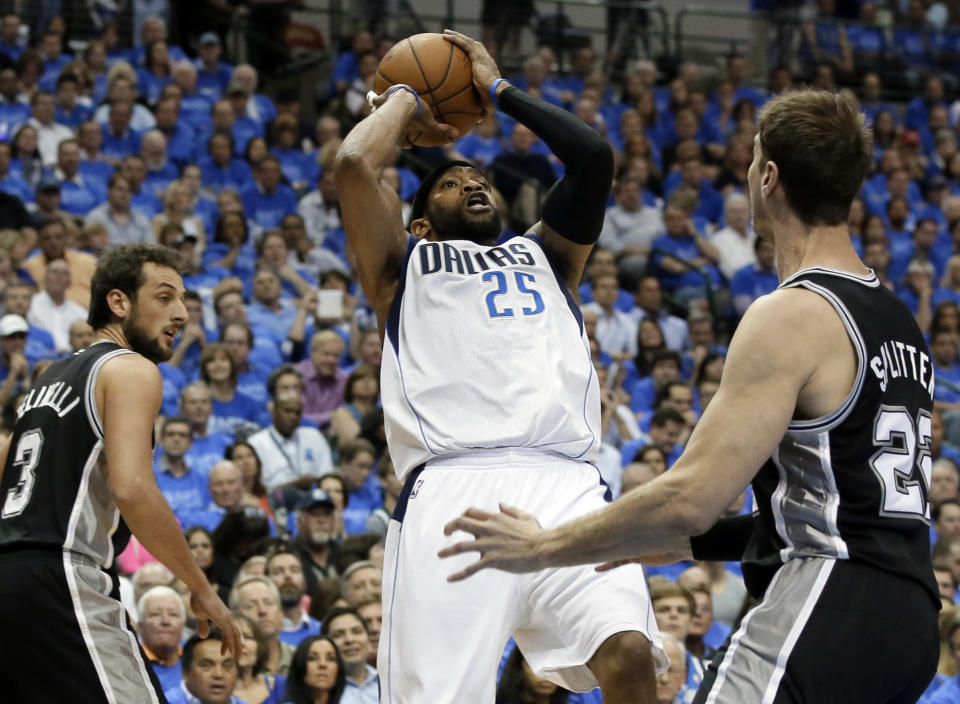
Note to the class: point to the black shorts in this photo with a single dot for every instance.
(829, 632)
(66, 638)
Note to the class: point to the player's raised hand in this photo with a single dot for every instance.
(508, 541)
(485, 70)
(423, 124)
(207, 605)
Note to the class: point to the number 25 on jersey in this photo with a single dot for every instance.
(521, 281)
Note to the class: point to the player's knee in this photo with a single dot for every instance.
(623, 658)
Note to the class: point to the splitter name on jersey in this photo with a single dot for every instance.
(898, 359)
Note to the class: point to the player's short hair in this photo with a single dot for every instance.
(419, 204)
(823, 149)
(121, 268)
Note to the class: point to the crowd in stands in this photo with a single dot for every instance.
(270, 446)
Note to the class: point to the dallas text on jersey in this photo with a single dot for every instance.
(435, 256)
(898, 359)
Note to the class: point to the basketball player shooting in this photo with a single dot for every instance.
(489, 392)
(825, 406)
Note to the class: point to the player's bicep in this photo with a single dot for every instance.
(371, 214)
(129, 393)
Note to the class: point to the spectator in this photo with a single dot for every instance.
(670, 682)
(347, 629)
(356, 459)
(14, 367)
(673, 607)
(649, 300)
(124, 224)
(178, 207)
(758, 279)
(681, 248)
(285, 569)
(735, 242)
(225, 488)
(119, 138)
(26, 162)
(260, 107)
(390, 486)
(315, 530)
(81, 335)
(162, 616)
(360, 396)
(152, 574)
(161, 172)
(219, 168)
(259, 600)
(251, 380)
(195, 106)
(268, 310)
(630, 226)
(320, 209)
(49, 132)
(196, 405)
(324, 381)
(316, 673)
(71, 110)
(267, 200)
(183, 487)
(290, 453)
(946, 518)
(245, 458)
(305, 256)
(944, 481)
(143, 200)
(213, 75)
(253, 684)
(371, 612)
(635, 474)
(616, 331)
(361, 581)
(949, 691)
(209, 676)
(664, 369)
(519, 683)
(52, 239)
(47, 201)
(231, 408)
(11, 182)
(519, 164)
(17, 298)
(50, 308)
(244, 129)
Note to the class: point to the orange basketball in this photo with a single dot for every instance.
(440, 72)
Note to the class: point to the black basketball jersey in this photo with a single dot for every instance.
(54, 490)
(853, 485)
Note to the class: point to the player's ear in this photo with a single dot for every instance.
(770, 177)
(420, 228)
(119, 303)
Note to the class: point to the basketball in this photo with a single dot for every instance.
(440, 72)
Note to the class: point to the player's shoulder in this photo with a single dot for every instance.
(789, 319)
(133, 369)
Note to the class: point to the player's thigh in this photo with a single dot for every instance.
(829, 632)
(440, 641)
(65, 639)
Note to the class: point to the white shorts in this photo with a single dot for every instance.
(441, 642)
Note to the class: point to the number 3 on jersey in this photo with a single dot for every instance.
(903, 445)
(522, 278)
(25, 459)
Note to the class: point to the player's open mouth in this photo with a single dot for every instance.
(478, 202)
(170, 334)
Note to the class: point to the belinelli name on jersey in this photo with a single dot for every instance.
(58, 396)
(902, 360)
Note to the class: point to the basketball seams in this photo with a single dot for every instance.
(423, 74)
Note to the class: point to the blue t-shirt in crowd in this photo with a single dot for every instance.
(227, 415)
(267, 210)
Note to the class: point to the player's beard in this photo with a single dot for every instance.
(455, 225)
(140, 341)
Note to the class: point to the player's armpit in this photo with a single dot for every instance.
(782, 342)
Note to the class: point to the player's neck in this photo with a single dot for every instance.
(828, 247)
(113, 332)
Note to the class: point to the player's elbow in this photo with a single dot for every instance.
(689, 513)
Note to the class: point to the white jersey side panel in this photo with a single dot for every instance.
(485, 349)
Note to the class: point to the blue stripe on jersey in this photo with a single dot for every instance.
(574, 306)
(400, 510)
(393, 317)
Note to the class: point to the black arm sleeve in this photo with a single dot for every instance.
(725, 542)
(575, 205)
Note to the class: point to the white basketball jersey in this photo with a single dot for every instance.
(485, 349)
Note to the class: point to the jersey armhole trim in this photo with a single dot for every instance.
(831, 420)
(571, 301)
(392, 327)
(90, 396)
